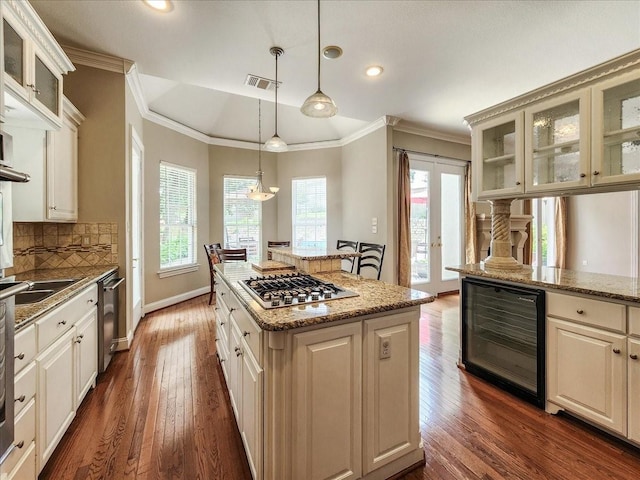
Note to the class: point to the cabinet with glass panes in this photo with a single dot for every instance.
(615, 156)
(497, 154)
(557, 143)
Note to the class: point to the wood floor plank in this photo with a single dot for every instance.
(162, 411)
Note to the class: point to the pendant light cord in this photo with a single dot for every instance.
(260, 133)
(277, 55)
(318, 45)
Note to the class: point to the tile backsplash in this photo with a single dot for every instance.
(61, 245)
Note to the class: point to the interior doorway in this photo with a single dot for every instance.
(136, 230)
(437, 222)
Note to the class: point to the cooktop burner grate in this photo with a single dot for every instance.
(288, 289)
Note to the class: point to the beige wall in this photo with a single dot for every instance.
(100, 96)
(325, 162)
(244, 163)
(600, 232)
(163, 144)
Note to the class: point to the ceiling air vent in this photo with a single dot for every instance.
(260, 82)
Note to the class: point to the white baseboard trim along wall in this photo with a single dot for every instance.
(167, 302)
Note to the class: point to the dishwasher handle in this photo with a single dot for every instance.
(115, 283)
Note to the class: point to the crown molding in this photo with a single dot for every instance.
(135, 85)
(23, 12)
(617, 65)
(99, 60)
(425, 132)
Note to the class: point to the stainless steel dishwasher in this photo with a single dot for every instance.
(107, 318)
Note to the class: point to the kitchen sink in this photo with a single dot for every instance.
(55, 285)
(32, 296)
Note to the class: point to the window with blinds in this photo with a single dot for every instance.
(242, 217)
(177, 216)
(309, 223)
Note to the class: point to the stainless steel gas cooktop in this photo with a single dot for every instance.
(288, 289)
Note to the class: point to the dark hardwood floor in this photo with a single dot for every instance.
(161, 411)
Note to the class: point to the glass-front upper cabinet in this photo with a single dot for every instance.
(498, 155)
(557, 143)
(616, 130)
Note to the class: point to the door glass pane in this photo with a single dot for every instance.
(13, 53)
(450, 222)
(556, 149)
(498, 157)
(46, 86)
(420, 256)
(622, 129)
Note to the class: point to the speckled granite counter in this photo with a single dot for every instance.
(311, 260)
(26, 314)
(374, 297)
(608, 286)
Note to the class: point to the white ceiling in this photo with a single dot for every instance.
(442, 59)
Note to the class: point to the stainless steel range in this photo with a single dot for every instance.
(285, 290)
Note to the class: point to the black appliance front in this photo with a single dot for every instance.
(503, 337)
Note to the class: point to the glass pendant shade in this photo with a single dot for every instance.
(319, 105)
(275, 144)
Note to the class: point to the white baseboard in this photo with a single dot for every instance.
(167, 302)
(123, 343)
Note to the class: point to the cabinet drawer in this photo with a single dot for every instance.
(596, 313)
(25, 347)
(634, 321)
(26, 468)
(25, 433)
(222, 318)
(55, 323)
(25, 387)
(251, 333)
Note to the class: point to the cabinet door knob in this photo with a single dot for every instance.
(222, 324)
(582, 175)
(62, 322)
(579, 311)
(90, 300)
(616, 351)
(20, 444)
(20, 399)
(222, 293)
(238, 354)
(20, 356)
(231, 310)
(517, 183)
(633, 356)
(222, 360)
(32, 86)
(596, 172)
(245, 334)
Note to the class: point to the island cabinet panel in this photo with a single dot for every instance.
(251, 431)
(234, 379)
(634, 389)
(391, 381)
(326, 407)
(587, 373)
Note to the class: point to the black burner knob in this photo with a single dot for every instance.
(315, 296)
(327, 294)
(275, 302)
(302, 298)
(288, 299)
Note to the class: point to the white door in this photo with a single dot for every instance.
(437, 222)
(137, 154)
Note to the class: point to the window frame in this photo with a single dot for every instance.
(293, 210)
(193, 265)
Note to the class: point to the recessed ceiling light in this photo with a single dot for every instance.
(331, 52)
(374, 71)
(159, 5)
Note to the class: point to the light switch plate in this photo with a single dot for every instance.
(385, 348)
(374, 229)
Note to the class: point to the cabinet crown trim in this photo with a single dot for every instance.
(99, 60)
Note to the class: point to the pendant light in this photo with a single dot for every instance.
(275, 143)
(319, 105)
(258, 192)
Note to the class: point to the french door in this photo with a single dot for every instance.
(437, 222)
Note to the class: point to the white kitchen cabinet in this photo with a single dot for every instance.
(251, 408)
(633, 351)
(51, 158)
(616, 130)
(327, 403)
(86, 360)
(234, 380)
(55, 396)
(587, 373)
(498, 156)
(33, 67)
(26, 467)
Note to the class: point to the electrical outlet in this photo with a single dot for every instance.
(374, 229)
(385, 348)
(86, 240)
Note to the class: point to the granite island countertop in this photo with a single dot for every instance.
(26, 314)
(313, 253)
(602, 285)
(373, 297)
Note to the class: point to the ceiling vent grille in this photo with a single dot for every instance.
(260, 82)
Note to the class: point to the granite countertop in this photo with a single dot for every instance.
(313, 253)
(26, 314)
(374, 297)
(608, 286)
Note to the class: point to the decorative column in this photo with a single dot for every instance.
(501, 255)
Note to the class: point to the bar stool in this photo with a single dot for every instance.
(212, 258)
(348, 245)
(232, 254)
(276, 243)
(371, 256)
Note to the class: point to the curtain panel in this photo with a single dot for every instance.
(471, 245)
(404, 220)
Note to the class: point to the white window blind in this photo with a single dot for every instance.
(242, 217)
(309, 221)
(177, 216)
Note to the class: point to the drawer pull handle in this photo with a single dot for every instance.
(517, 183)
(231, 310)
(237, 349)
(62, 322)
(238, 354)
(633, 356)
(222, 360)
(616, 351)
(20, 356)
(80, 337)
(596, 172)
(582, 175)
(580, 311)
(20, 444)
(20, 399)
(246, 334)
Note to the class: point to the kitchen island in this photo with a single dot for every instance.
(323, 389)
(591, 338)
(312, 260)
